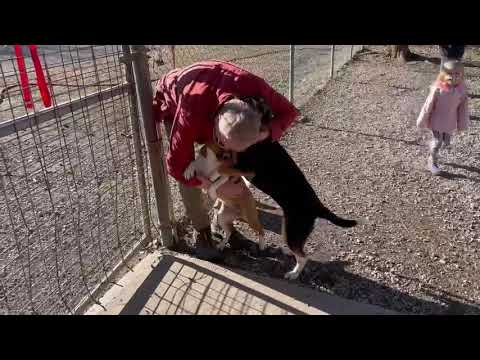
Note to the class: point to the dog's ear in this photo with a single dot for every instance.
(203, 151)
(264, 109)
(259, 104)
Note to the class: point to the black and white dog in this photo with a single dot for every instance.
(277, 175)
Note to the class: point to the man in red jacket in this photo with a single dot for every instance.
(214, 101)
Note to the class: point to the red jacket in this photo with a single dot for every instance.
(192, 96)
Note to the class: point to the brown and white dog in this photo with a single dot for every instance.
(229, 209)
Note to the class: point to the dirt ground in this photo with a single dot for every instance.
(416, 249)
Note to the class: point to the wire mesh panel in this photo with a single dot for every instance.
(69, 208)
(312, 64)
(270, 62)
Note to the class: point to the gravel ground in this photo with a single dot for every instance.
(416, 250)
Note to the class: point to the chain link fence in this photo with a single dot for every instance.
(310, 67)
(314, 65)
(76, 193)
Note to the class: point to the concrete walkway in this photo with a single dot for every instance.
(167, 283)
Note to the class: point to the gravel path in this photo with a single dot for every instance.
(416, 250)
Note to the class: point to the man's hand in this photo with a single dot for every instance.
(190, 171)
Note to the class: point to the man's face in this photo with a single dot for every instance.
(236, 145)
(232, 144)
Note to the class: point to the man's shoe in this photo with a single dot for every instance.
(205, 248)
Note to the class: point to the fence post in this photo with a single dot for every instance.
(172, 51)
(137, 144)
(143, 88)
(351, 52)
(292, 72)
(332, 60)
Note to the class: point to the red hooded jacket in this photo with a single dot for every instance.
(191, 97)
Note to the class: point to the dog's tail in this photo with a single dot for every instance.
(344, 223)
(326, 214)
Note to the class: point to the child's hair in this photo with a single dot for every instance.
(448, 67)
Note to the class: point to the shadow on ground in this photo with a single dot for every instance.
(406, 142)
(181, 283)
(436, 60)
(465, 167)
(332, 277)
(453, 176)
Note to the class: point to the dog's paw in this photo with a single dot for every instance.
(292, 275)
(189, 172)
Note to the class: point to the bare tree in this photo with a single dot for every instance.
(401, 52)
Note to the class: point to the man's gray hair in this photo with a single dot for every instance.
(239, 121)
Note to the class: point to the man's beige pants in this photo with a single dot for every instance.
(192, 198)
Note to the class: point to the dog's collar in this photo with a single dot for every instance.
(215, 179)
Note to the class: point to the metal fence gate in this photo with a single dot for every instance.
(70, 211)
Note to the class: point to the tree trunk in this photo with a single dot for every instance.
(401, 52)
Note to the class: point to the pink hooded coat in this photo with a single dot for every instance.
(445, 110)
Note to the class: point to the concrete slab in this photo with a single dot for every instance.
(167, 283)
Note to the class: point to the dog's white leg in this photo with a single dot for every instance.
(261, 242)
(214, 224)
(218, 204)
(297, 270)
(225, 219)
(212, 191)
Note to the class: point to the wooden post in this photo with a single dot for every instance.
(137, 144)
(154, 142)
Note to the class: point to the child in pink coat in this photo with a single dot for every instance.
(445, 110)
